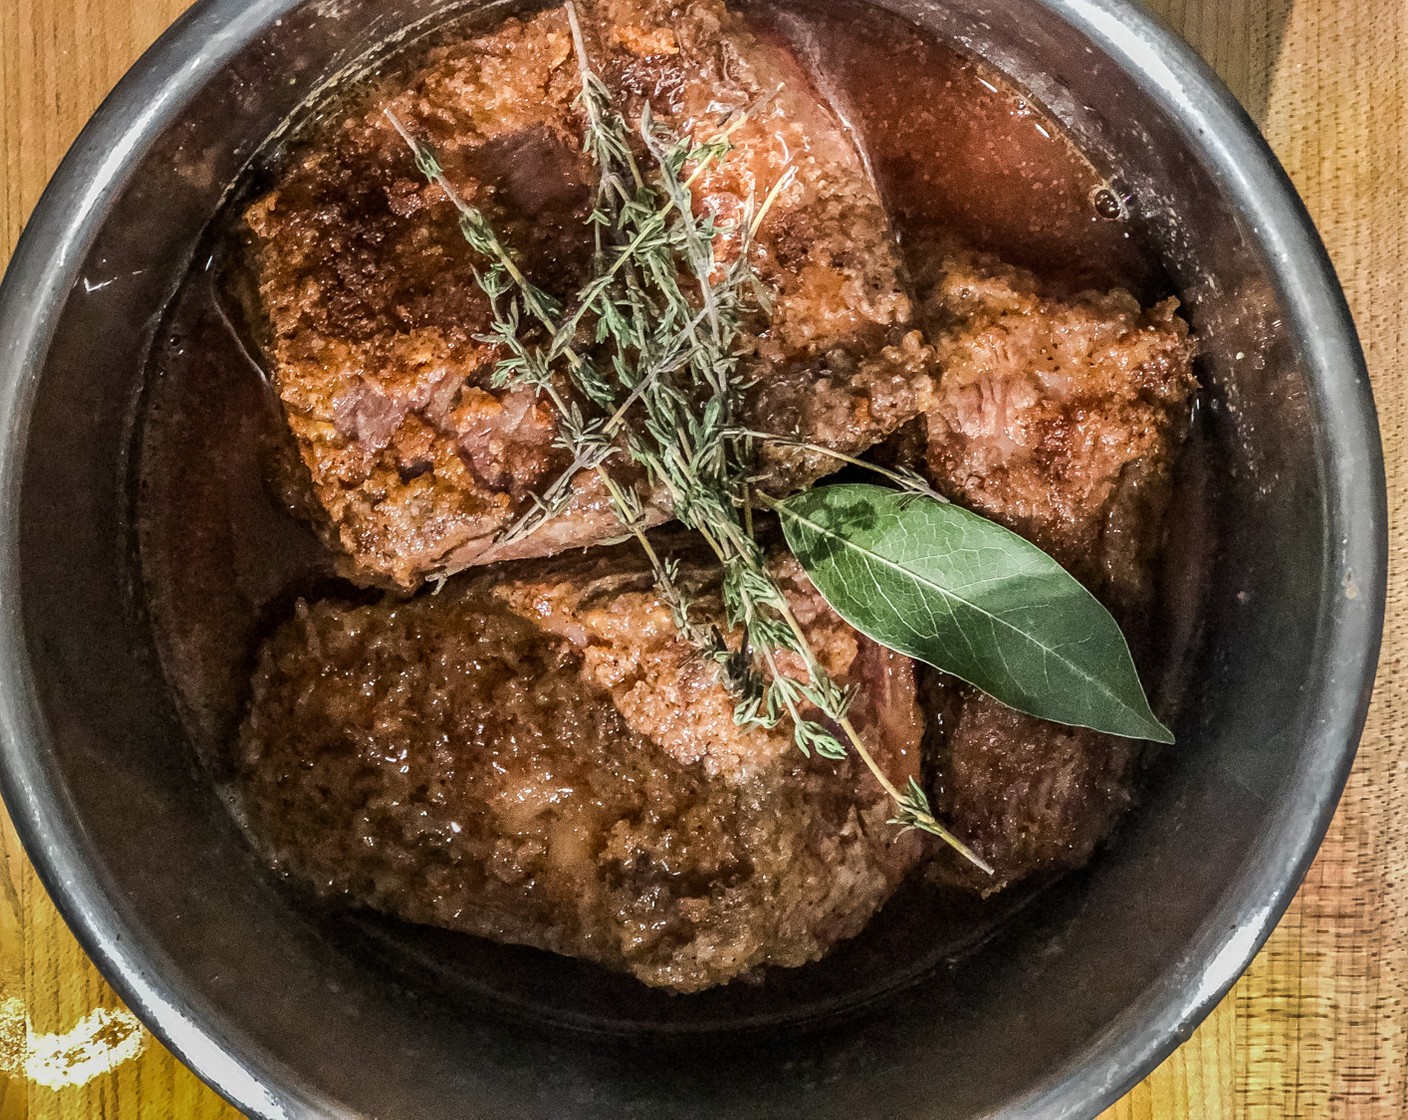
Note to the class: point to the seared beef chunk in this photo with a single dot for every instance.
(537, 757)
(362, 302)
(1057, 418)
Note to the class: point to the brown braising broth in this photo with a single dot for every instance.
(954, 146)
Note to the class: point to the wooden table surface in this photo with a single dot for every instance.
(1319, 1025)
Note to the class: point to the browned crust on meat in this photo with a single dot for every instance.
(1052, 413)
(362, 298)
(540, 759)
(1030, 797)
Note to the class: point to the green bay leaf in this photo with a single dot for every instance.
(942, 584)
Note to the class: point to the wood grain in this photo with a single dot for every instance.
(1319, 1025)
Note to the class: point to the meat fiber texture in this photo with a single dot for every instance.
(1059, 418)
(360, 296)
(538, 757)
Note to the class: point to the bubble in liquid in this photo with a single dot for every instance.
(1108, 204)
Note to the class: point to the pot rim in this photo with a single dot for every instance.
(97, 168)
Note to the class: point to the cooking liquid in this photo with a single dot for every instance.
(955, 146)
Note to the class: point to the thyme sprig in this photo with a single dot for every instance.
(664, 311)
(511, 295)
(905, 479)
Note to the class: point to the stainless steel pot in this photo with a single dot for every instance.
(290, 1013)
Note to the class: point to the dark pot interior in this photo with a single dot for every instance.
(293, 1013)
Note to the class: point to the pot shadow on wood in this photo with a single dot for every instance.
(1241, 38)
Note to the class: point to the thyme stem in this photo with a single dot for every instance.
(905, 480)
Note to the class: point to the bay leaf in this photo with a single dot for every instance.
(970, 597)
